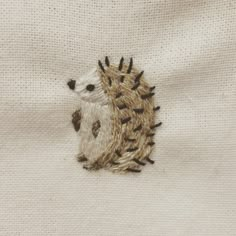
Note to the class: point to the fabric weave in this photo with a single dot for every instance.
(187, 49)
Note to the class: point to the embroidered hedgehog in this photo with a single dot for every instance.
(116, 119)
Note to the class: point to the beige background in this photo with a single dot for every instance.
(187, 49)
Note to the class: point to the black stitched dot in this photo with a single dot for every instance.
(90, 87)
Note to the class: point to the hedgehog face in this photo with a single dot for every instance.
(89, 88)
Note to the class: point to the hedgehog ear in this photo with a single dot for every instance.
(107, 61)
(101, 66)
(121, 63)
(130, 65)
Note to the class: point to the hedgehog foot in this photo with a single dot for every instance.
(92, 166)
(81, 157)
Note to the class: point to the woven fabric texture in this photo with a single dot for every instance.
(187, 49)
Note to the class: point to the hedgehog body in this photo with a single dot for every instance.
(94, 138)
(116, 121)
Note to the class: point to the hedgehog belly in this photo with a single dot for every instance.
(93, 144)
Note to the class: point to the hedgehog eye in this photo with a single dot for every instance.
(90, 87)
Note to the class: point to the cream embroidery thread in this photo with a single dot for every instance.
(116, 121)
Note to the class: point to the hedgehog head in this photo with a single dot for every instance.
(104, 83)
(88, 87)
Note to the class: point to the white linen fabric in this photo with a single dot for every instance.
(187, 49)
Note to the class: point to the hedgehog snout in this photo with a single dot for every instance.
(71, 84)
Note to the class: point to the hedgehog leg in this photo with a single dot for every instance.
(76, 120)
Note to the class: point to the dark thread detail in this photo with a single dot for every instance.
(76, 120)
(122, 78)
(148, 95)
(132, 149)
(90, 87)
(156, 108)
(119, 95)
(114, 163)
(139, 110)
(152, 88)
(137, 79)
(130, 139)
(118, 153)
(71, 84)
(151, 143)
(121, 63)
(107, 61)
(138, 128)
(76, 127)
(109, 81)
(101, 66)
(139, 162)
(125, 120)
(133, 170)
(82, 158)
(130, 65)
(135, 86)
(150, 135)
(93, 166)
(96, 128)
(149, 160)
(122, 106)
(156, 125)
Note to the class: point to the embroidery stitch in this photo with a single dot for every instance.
(95, 128)
(117, 109)
(76, 120)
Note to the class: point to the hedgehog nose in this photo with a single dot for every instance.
(71, 84)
